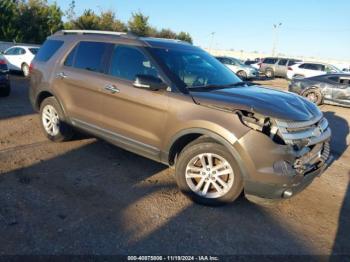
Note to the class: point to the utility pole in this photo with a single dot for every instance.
(211, 41)
(275, 37)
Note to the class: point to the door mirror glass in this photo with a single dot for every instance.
(149, 82)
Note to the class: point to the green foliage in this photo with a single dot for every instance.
(32, 21)
(28, 21)
(185, 37)
(138, 24)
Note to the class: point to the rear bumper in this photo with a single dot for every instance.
(264, 177)
(4, 80)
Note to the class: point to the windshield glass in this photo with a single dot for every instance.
(195, 68)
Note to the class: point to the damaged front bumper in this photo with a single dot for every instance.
(276, 171)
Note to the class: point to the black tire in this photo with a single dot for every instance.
(5, 91)
(242, 75)
(200, 146)
(269, 73)
(314, 95)
(65, 131)
(25, 69)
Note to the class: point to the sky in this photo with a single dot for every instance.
(309, 27)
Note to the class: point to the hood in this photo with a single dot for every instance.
(266, 101)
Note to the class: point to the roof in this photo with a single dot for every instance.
(125, 37)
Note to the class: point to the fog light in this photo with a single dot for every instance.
(287, 193)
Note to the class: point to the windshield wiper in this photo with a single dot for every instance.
(205, 87)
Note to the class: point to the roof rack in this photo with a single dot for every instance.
(98, 32)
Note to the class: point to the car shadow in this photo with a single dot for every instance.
(99, 199)
(339, 144)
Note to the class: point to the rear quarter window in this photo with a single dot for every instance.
(48, 49)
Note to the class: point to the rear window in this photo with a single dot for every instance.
(293, 62)
(48, 50)
(34, 51)
(89, 56)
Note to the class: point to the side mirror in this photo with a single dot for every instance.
(149, 82)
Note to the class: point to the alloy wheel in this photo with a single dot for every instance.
(50, 120)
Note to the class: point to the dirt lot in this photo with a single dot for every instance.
(88, 197)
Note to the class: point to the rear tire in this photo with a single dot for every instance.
(314, 95)
(53, 121)
(5, 91)
(207, 173)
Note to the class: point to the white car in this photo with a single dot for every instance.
(309, 69)
(18, 58)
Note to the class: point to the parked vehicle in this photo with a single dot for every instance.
(176, 104)
(328, 89)
(5, 87)
(19, 57)
(254, 63)
(309, 69)
(274, 66)
(243, 71)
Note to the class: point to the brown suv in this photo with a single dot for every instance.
(174, 103)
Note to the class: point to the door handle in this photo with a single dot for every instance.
(61, 75)
(111, 88)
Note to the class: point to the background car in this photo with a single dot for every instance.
(239, 68)
(329, 88)
(4, 79)
(309, 69)
(254, 63)
(18, 58)
(274, 66)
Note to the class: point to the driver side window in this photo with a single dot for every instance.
(11, 51)
(128, 62)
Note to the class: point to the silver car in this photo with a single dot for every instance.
(239, 68)
(274, 66)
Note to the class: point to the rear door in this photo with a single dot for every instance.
(341, 89)
(281, 67)
(13, 57)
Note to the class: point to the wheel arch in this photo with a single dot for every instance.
(183, 138)
(42, 95)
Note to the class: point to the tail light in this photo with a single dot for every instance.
(2, 62)
(290, 68)
(31, 67)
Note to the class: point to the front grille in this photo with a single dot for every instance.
(310, 140)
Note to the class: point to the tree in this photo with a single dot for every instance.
(38, 19)
(9, 17)
(185, 37)
(167, 33)
(108, 21)
(138, 24)
(88, 20)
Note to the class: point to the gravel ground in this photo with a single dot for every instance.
(89, 197)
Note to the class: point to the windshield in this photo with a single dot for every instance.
(195, 68)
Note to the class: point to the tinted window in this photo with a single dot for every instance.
(48, 50)
(12, 51)
(283, 62)
(70, 58)
(21, 51)
(194, 67)
(128, 62)
(91, 56)
(293, 62)
(270, 60)
(34, 51)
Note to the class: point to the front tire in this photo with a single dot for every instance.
(53, 121)
(269, 73)
(208, 174)
(25, 70)
(242, 75)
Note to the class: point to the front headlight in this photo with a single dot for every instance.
(262, 124)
